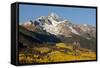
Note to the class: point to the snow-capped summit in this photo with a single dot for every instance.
(53, 21)
(54, 15)
(54, 24)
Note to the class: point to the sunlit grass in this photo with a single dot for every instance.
(58, 53)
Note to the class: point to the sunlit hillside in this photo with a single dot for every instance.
(43, 53)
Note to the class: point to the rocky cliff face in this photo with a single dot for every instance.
(56, 25)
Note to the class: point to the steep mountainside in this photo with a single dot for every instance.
(53, 29)
(57, 26)
(30, 37)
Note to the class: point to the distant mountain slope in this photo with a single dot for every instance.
(85, 43)
(27, 36)
(57, 26)
(54, 29)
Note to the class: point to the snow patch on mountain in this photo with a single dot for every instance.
(73, 30)
(57, 26)
(51, 29)
(54, 23)
(27, 23)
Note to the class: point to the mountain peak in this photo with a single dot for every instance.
(54, 15)
(54, 24)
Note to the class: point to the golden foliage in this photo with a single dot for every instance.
(60, 52)
(42, 49)
(63, 45)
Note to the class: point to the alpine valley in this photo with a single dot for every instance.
(54, 39)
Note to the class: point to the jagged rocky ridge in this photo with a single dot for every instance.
(53, 29)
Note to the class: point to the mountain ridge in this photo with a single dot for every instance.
(56, 25)
(57, 28)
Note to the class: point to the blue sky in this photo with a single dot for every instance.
(75, 15)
